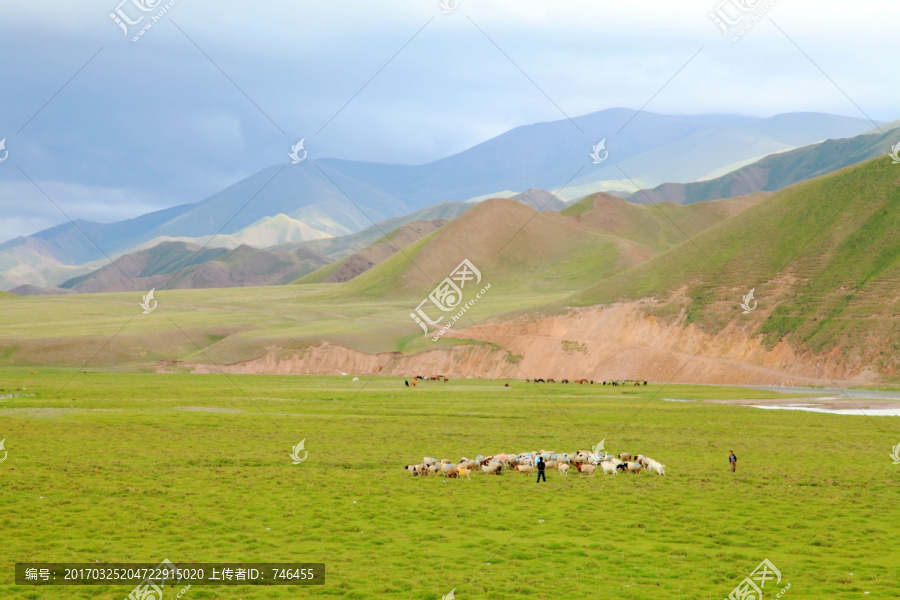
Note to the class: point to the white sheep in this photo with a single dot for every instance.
(608, 468)
(653, 465)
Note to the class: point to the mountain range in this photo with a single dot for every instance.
(323, 198)
(793, 287)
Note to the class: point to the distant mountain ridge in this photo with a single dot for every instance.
(176, 265)
(339, 196)
(298, 204)
(776, 171)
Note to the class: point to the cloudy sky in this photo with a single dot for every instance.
(214, 91)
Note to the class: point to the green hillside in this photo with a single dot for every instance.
(382, 248)
(659, 226)
(545, 252)
(342, 246)
(776, 171)
(511, 244)
(823, 257)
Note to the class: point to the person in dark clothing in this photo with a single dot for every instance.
(733, 460)
(540, 468)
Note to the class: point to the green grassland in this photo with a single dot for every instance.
(137, 467)
(222, 325)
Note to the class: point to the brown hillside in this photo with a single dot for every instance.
(373, 254)
(176, 265)
(540, 200)
(507, 241)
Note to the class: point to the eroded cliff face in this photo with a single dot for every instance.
(619, 341)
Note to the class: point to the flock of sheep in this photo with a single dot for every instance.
(585, 462)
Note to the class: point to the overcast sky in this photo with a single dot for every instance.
(180, 114)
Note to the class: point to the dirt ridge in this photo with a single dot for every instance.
(618, 341)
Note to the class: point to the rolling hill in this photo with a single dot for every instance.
(822, 256)
(177, 265)
(660, 226)
(340, 247)
(540, 200)
(382, 248)
(520, 248)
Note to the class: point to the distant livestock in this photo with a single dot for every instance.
(585, 462)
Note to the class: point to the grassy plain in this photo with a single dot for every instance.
(226, 325)
(136, 467)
